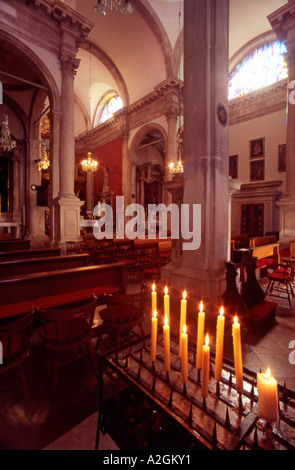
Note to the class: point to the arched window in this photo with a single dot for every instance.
(262, 67)
(111, 106)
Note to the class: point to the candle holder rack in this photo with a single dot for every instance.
(224, 420)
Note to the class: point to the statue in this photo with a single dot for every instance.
(106, 187)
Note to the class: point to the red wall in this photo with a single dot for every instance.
(109, 155)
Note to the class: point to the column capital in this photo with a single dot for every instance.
(69, 64)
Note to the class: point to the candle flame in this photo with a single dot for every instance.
(166, 320)
(153, 287)
(207, 340)
(184, 294)
(155, 313)
(184, 328)
(221, 311)
(201, 306)
(268, 373)
(236, 319)
(166, 290)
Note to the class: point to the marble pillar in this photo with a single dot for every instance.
(205, 179)
(283, 23)
(67, 205)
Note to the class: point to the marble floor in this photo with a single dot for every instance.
(69, 423)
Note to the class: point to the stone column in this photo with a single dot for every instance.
(126, 187)
(283, 23)
(16, 213)
(67, 214)
(206, 32)
(171, 154)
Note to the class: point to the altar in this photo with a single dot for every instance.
(12, 227)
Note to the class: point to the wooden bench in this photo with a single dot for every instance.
(34, 265)
(27, 254)
(54, 288)
(14, 244)
(266, 250)
(249, 304)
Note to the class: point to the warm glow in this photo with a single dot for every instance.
(207, 340)
(268, 373)
(221, 311)
(155, 313)
(184, 294)
(166, 290)
(166, 320)
(236, 320)
(153, 287)
(184, 328)
(201, 306)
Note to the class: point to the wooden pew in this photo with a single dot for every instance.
(14, 244)
(50, 289)
(27, 254)
(34, 265)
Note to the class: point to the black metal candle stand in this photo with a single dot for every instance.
(224, 419)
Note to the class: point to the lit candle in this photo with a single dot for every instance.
(200, 337)
(219, 344)
(166, 336)
(236, 331)
(154, 329)
(183, 305)
(167, 304)
(154, 298)
(205, 366)
(184, 355)
(268, 397)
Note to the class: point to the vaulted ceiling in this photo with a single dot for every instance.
(132, 54)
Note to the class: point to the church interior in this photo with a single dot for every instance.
(117, 107)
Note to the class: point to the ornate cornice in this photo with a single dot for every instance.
(150, 107)
(258, 103)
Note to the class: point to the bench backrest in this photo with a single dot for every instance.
(34, 265)
(260, 241)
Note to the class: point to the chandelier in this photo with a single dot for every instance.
(89, 165)
(6, 142)
(123, 6)
(43, 163)
(177, 168)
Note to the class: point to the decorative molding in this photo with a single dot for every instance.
(150, 107)
(258, 103)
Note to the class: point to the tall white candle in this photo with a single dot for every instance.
(154, 298)
(183, 307)
(166, 336)
(167, 304)
(184, 355)
(200, 337)
(205, 367)
(236, 331)
(219, 344)
(268, 402)
(154, 331)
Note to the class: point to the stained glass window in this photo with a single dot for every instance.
(262, 67)
(113, 105)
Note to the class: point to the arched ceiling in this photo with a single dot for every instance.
(134, 53)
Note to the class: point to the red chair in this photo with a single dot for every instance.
(15, 344)
(281, 282)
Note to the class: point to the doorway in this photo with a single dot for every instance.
(252, 220)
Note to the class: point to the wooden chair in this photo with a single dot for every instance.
(280, 282)
(122, 314)
(15, 344)
(67, 328)
(150, 263)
